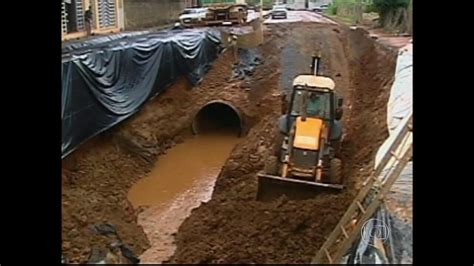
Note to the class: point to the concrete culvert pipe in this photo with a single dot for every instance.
(218, 116)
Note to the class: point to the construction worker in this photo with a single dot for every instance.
(233, 44)
(314, 105)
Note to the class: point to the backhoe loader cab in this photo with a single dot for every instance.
(313, 96)
(306, 152)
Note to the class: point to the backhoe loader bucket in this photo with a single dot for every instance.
(271, 187)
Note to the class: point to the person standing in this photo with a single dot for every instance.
(233, 43)
(88, 20)
(314, 105)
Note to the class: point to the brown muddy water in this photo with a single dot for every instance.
(178, 183)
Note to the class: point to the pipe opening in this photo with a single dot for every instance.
(217, 117)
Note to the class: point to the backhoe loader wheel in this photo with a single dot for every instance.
(336, 171)
(271, 165)
(276, 149)
(336, 145)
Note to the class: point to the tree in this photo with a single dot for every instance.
(385, 7)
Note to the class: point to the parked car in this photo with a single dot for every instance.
(192, 15)
(321, 8)
(279, 11)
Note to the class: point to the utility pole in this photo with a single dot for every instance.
(410, 17)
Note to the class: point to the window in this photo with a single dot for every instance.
(106, 12)
(318, 104)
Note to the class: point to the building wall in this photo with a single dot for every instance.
(192, 3)
(210, 2)
(140, 14)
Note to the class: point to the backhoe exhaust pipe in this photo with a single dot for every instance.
(315, 65)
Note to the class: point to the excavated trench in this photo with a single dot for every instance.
(184, 177)
(235, 228)
(151, 159)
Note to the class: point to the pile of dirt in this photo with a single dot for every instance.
(93, 194)
(235, 228)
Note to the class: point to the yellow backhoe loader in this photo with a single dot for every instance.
(305, 154)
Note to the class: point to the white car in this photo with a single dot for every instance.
(321, 8)
(190, 15)
(279, 11)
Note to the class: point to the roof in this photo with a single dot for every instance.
(314, 81)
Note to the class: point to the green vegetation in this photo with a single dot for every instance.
(267, 4)
(390, 11)
(387, 7)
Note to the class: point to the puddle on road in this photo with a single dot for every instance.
(178, 183)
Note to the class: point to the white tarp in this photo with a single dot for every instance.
(400, 103)
(399, 108)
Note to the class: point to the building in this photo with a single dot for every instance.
(107, 17)
(192, 3)
(142, 14)
(115, 15)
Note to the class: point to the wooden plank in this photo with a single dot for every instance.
(398, 139)
(335, 233)
(361, 208)
(394, 155)
(392, 178)
(344, 232)
(328, 255)
(374, 205)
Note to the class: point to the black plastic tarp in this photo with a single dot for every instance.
(395, 234)
(98, 41)
(105, 82)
